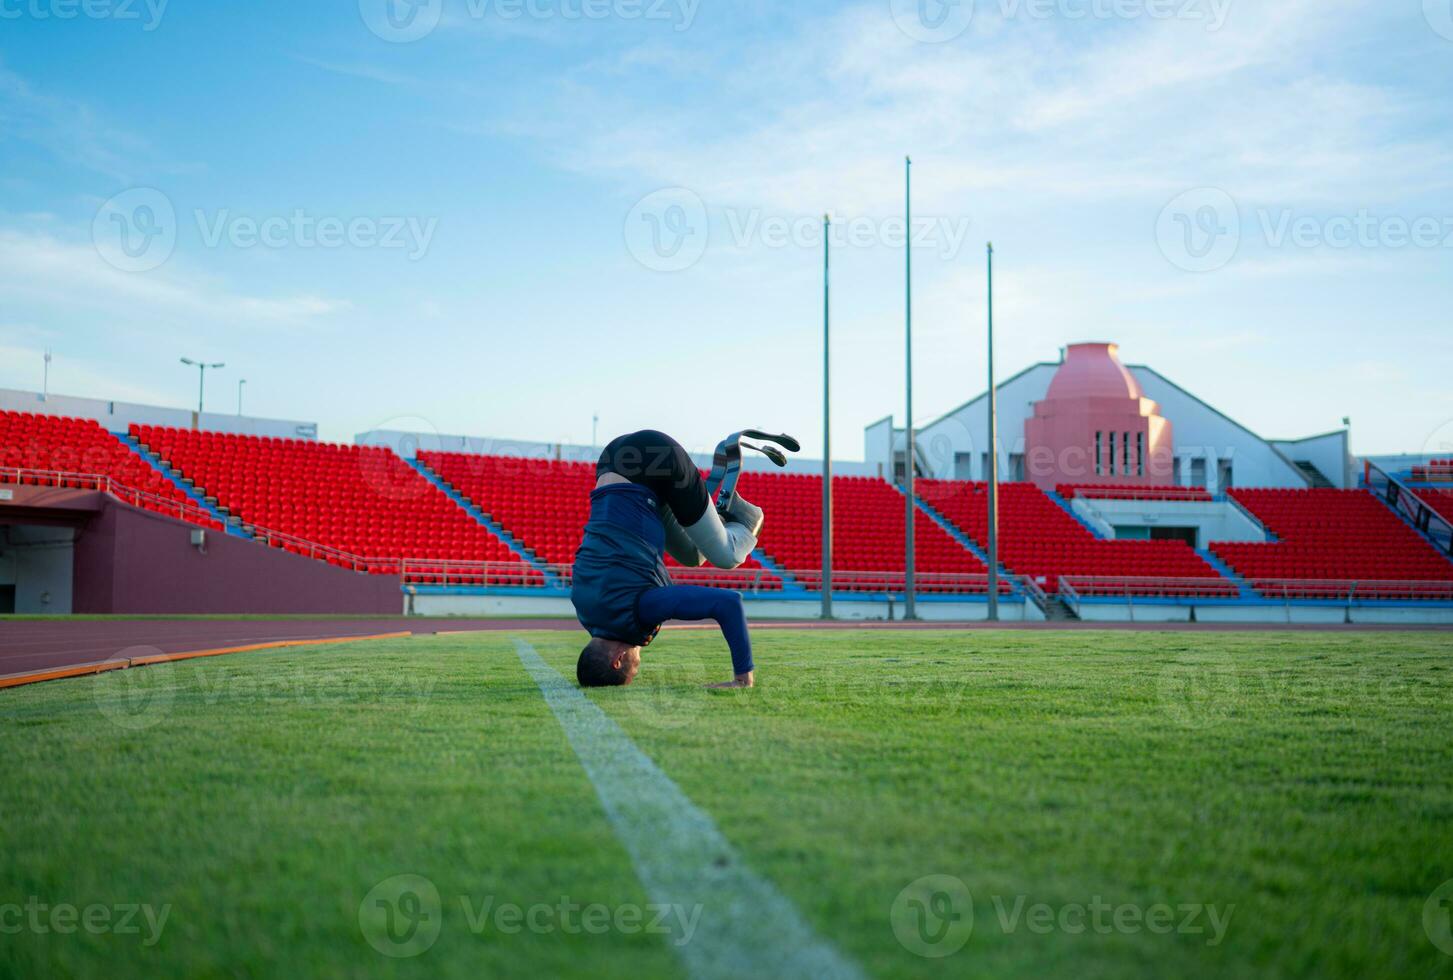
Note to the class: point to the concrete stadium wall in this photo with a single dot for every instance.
(1300, 615)
(1328, 452)
(1213, 520)
(134, 561)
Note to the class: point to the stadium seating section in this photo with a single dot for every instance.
(869, 540)
(57, 444)
(1040, 539)
(544, 504)
(1110, 491)
(345, 503)
(1437, 471)
(361, 500)
(1338, 535)
(1438, 498)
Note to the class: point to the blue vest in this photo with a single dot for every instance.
(620, 557)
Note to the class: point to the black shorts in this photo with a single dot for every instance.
(660, 464)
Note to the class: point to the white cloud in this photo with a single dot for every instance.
(71, 276)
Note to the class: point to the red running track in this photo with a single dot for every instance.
(31, 645)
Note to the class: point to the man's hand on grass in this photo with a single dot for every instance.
(749, 679)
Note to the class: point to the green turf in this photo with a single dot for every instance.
(1300, 782)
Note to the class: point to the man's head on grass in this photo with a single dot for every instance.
(607, 663)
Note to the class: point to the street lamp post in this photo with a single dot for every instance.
(201, 380)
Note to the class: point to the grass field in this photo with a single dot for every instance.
(1086, 804)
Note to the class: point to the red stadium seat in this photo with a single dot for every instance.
(1332, 535)
(1039, 539)
(362, 500)
(80, 448)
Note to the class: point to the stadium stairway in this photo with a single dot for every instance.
(231, 524)
(1069, 509)
(495, 528)
(1246, 513)
(791, 588)
(963, 539)
(1246, 592)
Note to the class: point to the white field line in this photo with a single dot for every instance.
(746, 928)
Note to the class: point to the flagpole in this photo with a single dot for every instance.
(826, 427)
(993, 475)
(910, 559)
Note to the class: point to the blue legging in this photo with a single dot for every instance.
(695, 602)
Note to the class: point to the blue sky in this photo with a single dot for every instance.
(539, 209)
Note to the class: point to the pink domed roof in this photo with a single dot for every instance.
(1093, 371)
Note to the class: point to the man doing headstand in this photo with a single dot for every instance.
(650, 499)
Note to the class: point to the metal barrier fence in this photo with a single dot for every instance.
(1074, 588)
(1115, 586)
(757, 581)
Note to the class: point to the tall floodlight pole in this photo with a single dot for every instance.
(45, 378)
(201, 380)
(826, 425)
(993, 475)
(909, 563)
(240, 383)
(594, 430)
